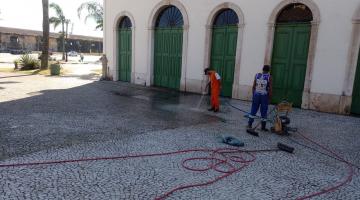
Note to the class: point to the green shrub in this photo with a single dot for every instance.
(28, 62)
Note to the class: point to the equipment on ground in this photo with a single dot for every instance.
(280, 118)
(286, 148)
(252, 131)
(232, 141)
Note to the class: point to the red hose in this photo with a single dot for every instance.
(337, 186)
(233, 159)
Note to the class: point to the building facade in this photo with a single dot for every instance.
(312, 46)
(12, 39)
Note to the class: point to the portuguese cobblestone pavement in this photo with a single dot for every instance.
(45, 118)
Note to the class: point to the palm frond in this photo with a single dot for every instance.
(59, 12)
(91, 7)
(55, 21)
(100, 25)
(94, 10)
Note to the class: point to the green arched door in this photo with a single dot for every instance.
(168, 48)
(223, 50)
(355, 107)
(290, 53)
(125, 49)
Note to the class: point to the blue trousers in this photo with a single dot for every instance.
(259, 101)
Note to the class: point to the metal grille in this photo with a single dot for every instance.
(125, 23)
(170, 17)
(295, 13)
(226, 17)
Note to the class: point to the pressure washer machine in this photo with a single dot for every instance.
(280, 119)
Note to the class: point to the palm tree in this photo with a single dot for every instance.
(67, 22)
(57, 20)
(94, 10)
(46, 32)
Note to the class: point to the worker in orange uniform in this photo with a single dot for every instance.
(215, 86)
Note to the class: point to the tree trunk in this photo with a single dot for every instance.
(63, 40)
(46, 32)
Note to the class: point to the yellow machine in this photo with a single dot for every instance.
(280, 119)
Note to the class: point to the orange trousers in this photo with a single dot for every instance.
(215, 103)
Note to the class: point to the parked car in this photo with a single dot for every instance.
(16, 51)
(73, 54)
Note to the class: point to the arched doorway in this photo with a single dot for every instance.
(168, 47)
(290, 53)
(223, 49)
(352, 85)
(355, 106)
(125, 49)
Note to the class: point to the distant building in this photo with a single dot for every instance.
(14, 39)
(312, 45)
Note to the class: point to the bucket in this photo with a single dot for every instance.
(55, 69)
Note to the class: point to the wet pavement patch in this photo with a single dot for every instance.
(92, 113)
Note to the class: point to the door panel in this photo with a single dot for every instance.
(218, 45)
(223, 56)
(355, 107)
(168, 57)
(280, 62)
(289, 62)
(298, 64)
(125, 49)
(279, 92)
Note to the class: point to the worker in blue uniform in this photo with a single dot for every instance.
(262, 92)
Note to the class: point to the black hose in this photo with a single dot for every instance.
(243, 111)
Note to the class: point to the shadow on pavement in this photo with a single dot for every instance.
(9, 82)
(90, 76)
(14, 76)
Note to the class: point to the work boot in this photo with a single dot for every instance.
(249, 126)
(263, 127)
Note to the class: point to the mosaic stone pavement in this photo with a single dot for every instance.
(44, 118)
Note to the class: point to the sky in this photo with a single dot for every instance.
(27, 14)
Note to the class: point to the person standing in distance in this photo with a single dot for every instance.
(262, 92)
(215, 86)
